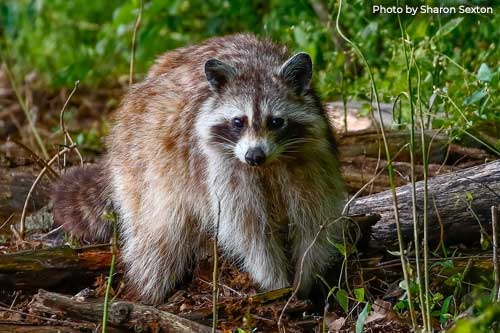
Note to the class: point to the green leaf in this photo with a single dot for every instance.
(437, 297)
(484, 241)
(340, 247)
(395, 253)
(484, 74)
(343, 299)
(445, 264)
(331, 292)
(475, 97)
(360, 322)
(448, 27)
(401, 305)
(360, 294)
(403, 285)
(444, 316)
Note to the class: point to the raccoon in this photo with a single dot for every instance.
(227, 137)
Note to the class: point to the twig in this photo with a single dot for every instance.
(346, 263)
(134, 36)
(215, 275)
(496, 262)
(33, 186)
(441, 226)
(484, 233)
(7, 221)
(66, 322)
(345, 211)
(114, 251)
(296, 289)
(41, 162)
(15, 299)
(67, 137)
(47, 167)
(225, 287)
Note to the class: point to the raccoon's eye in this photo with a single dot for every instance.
(276, 122)
(238, 122)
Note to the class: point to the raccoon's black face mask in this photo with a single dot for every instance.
(263, 116)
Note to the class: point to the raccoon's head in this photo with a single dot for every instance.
(262, 112)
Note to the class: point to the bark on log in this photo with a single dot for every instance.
(15, 184)
(369, 143)
(12, 328)
(53, 267)
(357, 171)
(122, 314)
(22, 327)
(458, 206)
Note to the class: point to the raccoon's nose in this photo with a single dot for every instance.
(255, 156)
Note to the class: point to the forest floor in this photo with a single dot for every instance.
(372, 276)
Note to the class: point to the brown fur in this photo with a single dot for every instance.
(80, 200)
(167, 173)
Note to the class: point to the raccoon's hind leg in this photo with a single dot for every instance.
(157, 256)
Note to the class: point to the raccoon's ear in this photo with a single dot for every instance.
(218, 74)
(297, 72)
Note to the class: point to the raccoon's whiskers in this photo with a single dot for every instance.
(301, 140)
(226, 140)
(229, 154)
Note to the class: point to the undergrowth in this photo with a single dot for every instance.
(440, 71)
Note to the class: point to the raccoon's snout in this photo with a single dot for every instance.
(255, 156)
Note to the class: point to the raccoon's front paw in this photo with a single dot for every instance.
(273, 283)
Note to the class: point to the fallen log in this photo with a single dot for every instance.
(458, 207)
(357, 171)
(458, 202)
(71, 268)
(15, 184)
(13, 328)
(122, 314)
(53, 267)
(369, 144)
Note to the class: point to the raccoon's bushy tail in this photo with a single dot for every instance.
(81, 199)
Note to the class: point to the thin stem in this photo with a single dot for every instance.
(33, 186)
(114, 251)
(41, 162)
(134, 36)
(389, 167)
(496, 262)
(344, 102)
(413, 180)
(425, 163)
(215, 275)
(301, 271)
(346, 262)
(67, 137)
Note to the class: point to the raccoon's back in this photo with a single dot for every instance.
(81, 197)
(239, 50)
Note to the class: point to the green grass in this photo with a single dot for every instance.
(445, 65)
(65, 41)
